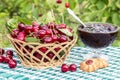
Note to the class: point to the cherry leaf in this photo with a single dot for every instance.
(66, 31)
(31, 39)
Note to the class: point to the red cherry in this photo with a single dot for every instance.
(45, 60)
(58, 27)
(41, 33)
(1, 51)
(7, 58)
(28, 49)
(21, 26)
(48, 39)
(28, 29)
(58, 1)
(64, 68)
(1, 58)
(56, 32)
(21, 36)
(62, 38)
(63, 25)
(40, 14)
(36, 34)
(45, 27)
(43, 49)
(89, 62)
(37, 55)
(9, 52)
(67, 5)
(70, 29)
(12, 63)
(51, 25)
(57, 49)
(48, 32)
(35, 24)
(36, 27)
(72, 67)
(15, 33)
(50, 55)
(55, 38)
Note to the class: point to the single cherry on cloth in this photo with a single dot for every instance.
(1, 58)
(9, 52)
(89, 62)
(7, 58)
(64, 68)
(1, 51)
(12, 63)
(72, 67)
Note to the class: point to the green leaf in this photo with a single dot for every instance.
(49, 17)
(61, 53)
(93, 8)
(116, 43)
(116, 18)
(3, 14)
(118, 3)
(93, 1)
(106, 13)
(100, 4)
(31, 39)
(12, 23)
(80, 1)
(72, 3)
(105, 1)
(24, 20)
(66, 31)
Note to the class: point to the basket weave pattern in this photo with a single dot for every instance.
(27, 51)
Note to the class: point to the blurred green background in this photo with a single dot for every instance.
(88, 10)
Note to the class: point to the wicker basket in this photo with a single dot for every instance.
(26, 53)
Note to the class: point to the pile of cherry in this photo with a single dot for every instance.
(7, 57)
(47, 33)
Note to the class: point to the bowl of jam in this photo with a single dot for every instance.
(98, 35)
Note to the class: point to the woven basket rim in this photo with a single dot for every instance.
(74, 38)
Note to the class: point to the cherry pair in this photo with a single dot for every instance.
(65, 68)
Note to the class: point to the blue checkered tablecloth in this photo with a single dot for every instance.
(22, 73)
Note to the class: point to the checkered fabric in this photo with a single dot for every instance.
(110, 73)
